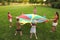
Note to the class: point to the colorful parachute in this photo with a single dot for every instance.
(28, 18)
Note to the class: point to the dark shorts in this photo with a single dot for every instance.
(18, 29)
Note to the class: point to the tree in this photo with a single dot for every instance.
(54, 3)
(8, 1)
(0, 1)
(20, 1)
(33, 1)
(3, 2)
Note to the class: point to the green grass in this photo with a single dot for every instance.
(43, 29)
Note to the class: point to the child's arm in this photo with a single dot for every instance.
(52, 19)
(21, 23)
(10, 15)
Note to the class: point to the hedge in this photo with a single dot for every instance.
(55, 5)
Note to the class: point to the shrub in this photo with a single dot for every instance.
(55, 5)
(3, 2)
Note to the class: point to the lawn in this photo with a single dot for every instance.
(43, 29)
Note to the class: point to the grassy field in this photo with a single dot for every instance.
(43, 29)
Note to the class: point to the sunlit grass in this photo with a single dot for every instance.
(43, 29)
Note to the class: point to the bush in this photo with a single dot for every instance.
(41, 2)
(20, 1)
(3, 2)
(55, 5)
(8, 2)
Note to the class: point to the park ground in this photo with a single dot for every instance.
(43, 29)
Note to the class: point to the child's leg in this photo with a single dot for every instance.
(15, 32)
(30, 35)
(21, 33)
(53, 29)
(35, 35)
(10, 24)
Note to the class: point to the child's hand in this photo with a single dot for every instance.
(50, 19)
(21, 23)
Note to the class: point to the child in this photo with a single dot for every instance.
(22, 13)
(10, 19)
(44, 15)
(18, 28)
(33, 30)
(34, 11)
(55, 22)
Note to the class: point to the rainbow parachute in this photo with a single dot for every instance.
(31, 18)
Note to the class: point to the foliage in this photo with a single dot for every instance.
(56, 5)
(0, 1)
(32, 1)
(3, 2)
(8, 2)
(50, 1)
